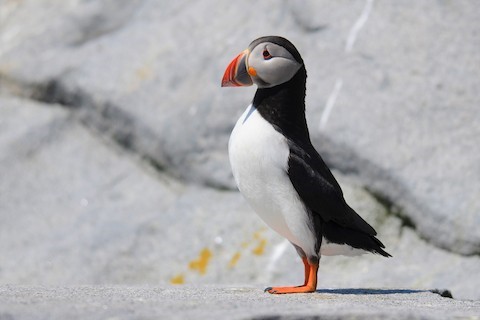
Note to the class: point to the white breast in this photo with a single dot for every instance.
(259, 159)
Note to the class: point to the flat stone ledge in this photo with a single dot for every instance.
(220, 302)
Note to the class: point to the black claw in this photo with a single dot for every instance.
(267, 289)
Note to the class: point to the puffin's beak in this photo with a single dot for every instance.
(236, 74)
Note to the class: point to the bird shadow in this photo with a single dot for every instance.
(364, 291)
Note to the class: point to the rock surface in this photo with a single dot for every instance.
(113, 134)
(78, 209)
(214, 302)
(398, 81)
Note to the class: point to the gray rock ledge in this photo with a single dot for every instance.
(221, 302)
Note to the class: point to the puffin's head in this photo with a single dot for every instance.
(267, 62)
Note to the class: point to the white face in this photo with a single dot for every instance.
(272, 65)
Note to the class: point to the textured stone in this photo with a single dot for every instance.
(69, 202)
(77, 209)
(96, 182)
(408, 107)
(218, 302)
(403, 115)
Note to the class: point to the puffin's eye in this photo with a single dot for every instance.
(266, 55)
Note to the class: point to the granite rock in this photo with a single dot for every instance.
(219, 302)
(391, 90)
(113, 159)
(78, 209)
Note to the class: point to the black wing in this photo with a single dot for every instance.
(319, 189)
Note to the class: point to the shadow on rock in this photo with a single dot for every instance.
(362, 291)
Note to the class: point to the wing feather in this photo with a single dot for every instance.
(319, 189)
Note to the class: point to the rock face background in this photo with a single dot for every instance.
(114, 130)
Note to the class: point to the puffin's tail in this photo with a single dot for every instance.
(380, 247)
(354, 238)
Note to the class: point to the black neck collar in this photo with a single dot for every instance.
(284, 107)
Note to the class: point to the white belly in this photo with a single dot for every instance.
(259, 159)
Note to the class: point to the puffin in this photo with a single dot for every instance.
(278, 170)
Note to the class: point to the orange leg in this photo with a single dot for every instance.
(307, 270)
(310, 284)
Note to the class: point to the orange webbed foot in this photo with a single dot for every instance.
(283, 290)
(310, 284)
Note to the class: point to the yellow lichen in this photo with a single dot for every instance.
(178, 279)
(201, 263)
(234, 260)
(260, 249)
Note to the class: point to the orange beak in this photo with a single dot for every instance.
(236, 74)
